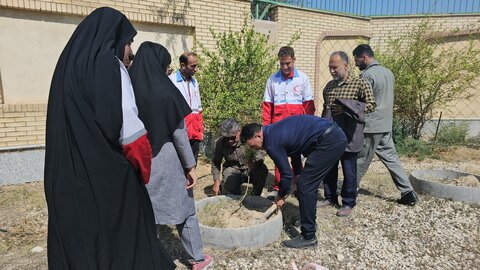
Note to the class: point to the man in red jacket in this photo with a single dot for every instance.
(188, 86)
(288, 92)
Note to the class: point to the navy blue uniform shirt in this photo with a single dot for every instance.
(292, 137)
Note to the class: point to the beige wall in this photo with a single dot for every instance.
(463, 108)
(22, 125)
(384, 27)
(37, 31)
(268, 28)
(323, 32)
(36, 40)
(29, 56)
(176, 39)
(310, 52)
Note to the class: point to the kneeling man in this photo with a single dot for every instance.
(240, 164)
(318, 139)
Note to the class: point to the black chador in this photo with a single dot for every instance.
(100, 215)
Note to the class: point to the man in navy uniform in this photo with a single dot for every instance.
(318, 139)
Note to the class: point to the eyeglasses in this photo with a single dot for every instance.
(232, 138)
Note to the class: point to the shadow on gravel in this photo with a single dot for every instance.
(171, 242)
(291, 214)
(369, 193)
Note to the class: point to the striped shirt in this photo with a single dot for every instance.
(352, 88)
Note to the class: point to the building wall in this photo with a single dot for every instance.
(312, 26)
(384, 27)
(38, 30)
(22, 125)
(322, 33)
(37, 39)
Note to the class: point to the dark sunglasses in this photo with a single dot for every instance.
(232, 138)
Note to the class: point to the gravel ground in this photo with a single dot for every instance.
(434, 234)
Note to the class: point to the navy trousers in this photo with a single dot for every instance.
(349, 187)
(323, 156)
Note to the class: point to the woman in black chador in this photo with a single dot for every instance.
(97, 156)
(162, 109)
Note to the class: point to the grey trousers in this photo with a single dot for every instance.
(382, 145)
(190, 238)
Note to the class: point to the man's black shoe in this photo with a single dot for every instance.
(300, 242)
(410, 198)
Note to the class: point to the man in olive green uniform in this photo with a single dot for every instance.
(240, 164)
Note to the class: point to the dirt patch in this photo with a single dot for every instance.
(229, 214)
(450, 239)
(23, 220)
(460, 154)
(466, 181)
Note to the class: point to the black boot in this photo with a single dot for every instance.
(300, 242)
(410, 199)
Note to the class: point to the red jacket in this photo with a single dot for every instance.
(191, 93)
(194, 124)
(287, 97)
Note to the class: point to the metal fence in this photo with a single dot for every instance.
(372, 8)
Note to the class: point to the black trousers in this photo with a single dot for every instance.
(324, 154)
(195, 144)
(233, 178)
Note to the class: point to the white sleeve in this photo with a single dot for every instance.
(268, 96)
(132, 127)
(307, 94)
(199, 99)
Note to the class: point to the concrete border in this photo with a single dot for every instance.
(21, 166)
(242, 238)
(446, 191)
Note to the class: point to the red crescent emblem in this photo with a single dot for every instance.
(295, 90)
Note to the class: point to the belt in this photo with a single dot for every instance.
(328, 130)
(323, 135)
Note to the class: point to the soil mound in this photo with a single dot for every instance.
(229, 214)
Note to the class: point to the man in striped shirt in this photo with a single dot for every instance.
(346, 99)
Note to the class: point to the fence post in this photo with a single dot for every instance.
(438, 125)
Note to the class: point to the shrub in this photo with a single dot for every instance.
(417, 148)
(453, 134)
(399, 131)
(473, 142)
(233, 76)
(429, 73)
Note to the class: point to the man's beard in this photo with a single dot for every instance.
(362, 66)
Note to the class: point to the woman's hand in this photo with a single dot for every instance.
(191, 177)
